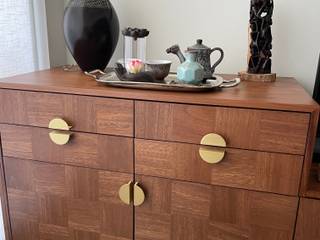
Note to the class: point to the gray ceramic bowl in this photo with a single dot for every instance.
(159, 68)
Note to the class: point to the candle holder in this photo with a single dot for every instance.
(135, 49)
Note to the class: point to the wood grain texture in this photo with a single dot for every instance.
(308, 220)
(86, 114)
(4, 199)
(72, 194)
(271, 172)
(284, 94)
(245, 76)
(177, 210)
(313, 184)
(272, 131)
(310, 187)
(51, 202)
(84, 149)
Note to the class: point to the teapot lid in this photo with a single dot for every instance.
(199, 46)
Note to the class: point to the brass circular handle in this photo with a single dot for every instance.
(60, 138)
(59, 124)
(213, 140)
(60, 134)
(138, 195)
(211, 155)
(125, 193)
(212, 148)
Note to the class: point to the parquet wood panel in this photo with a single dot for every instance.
(270, 131)
(85, 114)
(308, 220)
(49, 201)
(176, 210)
(84, 149)
(262, 171)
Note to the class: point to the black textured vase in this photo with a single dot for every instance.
(91, 30)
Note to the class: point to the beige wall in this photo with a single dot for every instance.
(224, 23)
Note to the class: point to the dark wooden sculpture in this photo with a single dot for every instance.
(261, 12)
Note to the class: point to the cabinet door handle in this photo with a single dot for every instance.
(125, 193)
(212, 148)
(59, 124)
(60, 134)
(60, 138)
(211, 155)
(138, 195)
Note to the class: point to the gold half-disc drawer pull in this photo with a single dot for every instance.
(138, 195)
(213, 148)
(59, 124)
(211, 155)
(60, 138)
(125, 193)
(213, 140)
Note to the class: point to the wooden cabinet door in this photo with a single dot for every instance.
(176, 210)
(56, 202)
(308, 220)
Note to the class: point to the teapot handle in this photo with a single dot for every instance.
(213, 68)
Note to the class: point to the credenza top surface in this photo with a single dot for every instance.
(286, 94)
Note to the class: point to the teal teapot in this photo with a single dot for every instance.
(190, 71)
(203, 56)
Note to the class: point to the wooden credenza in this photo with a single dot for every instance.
(149, 165)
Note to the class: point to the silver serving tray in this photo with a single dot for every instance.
(170, 83)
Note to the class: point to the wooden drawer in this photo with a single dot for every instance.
(84, 149)
(271, 172)
(86, 114)
(52, 201)
(271, 131)
(181, 210)
(308, 220)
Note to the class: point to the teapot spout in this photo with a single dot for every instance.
(175, 49)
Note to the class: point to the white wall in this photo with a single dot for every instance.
(224, 23)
